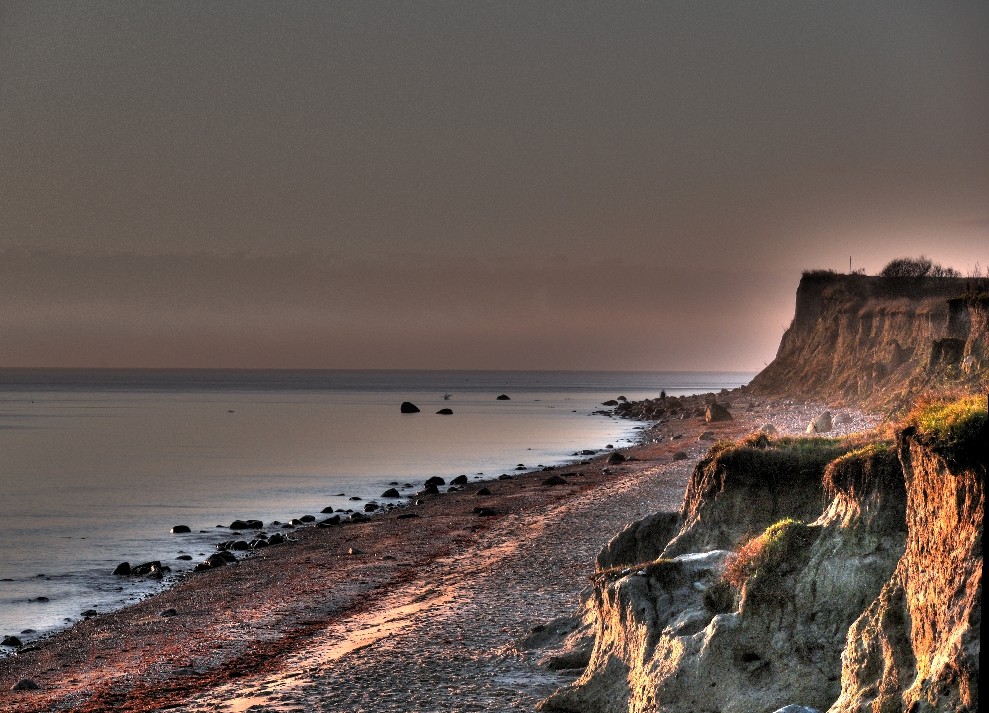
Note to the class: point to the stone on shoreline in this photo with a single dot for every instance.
(820, 424)
(409, 407)
(391, 493)
(26, 684)
(716, 412)
(11, 641)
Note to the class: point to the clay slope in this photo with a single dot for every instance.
(878, 341)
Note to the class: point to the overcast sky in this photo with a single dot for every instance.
(471, 184)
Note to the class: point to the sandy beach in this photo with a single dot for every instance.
(424, 613)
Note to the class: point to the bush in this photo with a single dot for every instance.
(917, 267)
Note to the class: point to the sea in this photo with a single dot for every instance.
(97, 466)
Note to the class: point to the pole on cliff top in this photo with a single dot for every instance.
(849, 264)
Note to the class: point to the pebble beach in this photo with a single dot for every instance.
(433, 607)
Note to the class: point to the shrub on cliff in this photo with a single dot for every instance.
(917, 267)
(760, 563)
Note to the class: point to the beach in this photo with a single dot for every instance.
(428, 613)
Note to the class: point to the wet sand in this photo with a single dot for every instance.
(392, 614)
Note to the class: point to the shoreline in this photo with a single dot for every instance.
(205, 537)
(248, 621)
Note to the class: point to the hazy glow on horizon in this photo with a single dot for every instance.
(471, 185)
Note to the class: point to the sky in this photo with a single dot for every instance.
(471, 185)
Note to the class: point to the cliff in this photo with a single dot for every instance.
(864, 594)
(879, 341)
(816, 574)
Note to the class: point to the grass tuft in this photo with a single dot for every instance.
(951, 423)
(764, 553)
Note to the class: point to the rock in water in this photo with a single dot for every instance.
(445, 412)
(821, 424)
(181, 529)
(503, 397)
(716, 412)
(391, 493)
(11, 641)
(123, 568)
(409, 407)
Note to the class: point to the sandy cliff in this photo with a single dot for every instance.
(835, 574)
(877, 341)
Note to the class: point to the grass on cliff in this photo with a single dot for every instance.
(956, 429)
(951, 423)
(782, 459)
(758, 563)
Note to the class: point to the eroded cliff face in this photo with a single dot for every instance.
(916, 647)
(878, 341)
(865, 597)
(671, 636)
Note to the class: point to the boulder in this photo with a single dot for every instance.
(820, 424)
(147, 568)
(435, 480)
(216, 560)
(716, 412)
(11, 641)
(483, 491)
(180, 529)
(122, 569)
(680, 455)
(503, 397)
(554, 480)
(459, 480)
(408, 407)
(445, 412)
(391, 493)
(25, 684)
(616, 458)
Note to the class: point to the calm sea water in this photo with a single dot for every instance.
(97, 466)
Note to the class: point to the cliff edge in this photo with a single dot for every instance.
(877, 342)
